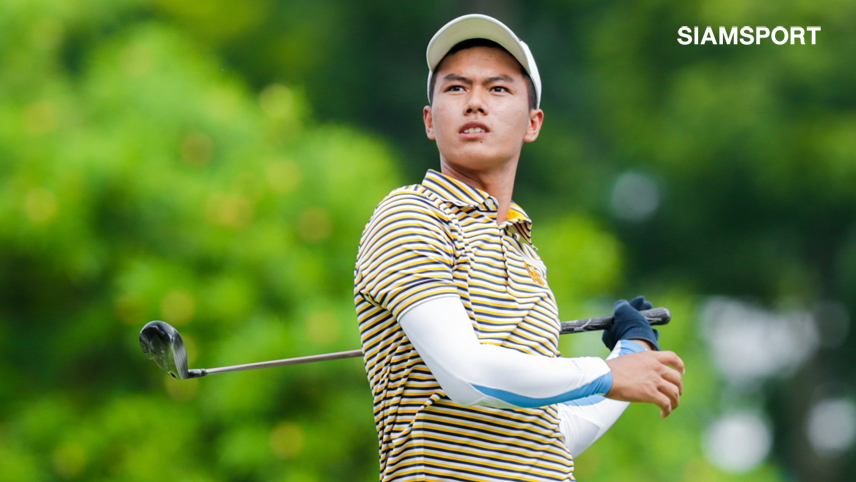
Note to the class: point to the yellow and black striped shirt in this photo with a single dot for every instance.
(435, 239)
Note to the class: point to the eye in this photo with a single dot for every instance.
(455, 88)
(500, 88)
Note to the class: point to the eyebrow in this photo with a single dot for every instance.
(497, 78)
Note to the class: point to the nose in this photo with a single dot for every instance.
(476, 101)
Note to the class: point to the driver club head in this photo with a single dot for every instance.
(162, 344)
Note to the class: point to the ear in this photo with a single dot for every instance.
(429, 122)
(536, 120)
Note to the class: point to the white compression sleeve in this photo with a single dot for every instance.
(583, 421)
(472, 373)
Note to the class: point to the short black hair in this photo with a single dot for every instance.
(481, 42)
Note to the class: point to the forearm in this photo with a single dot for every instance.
(583, 421)
(472, 373)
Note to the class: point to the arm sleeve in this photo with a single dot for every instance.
(472, 373)
(406, 254)
(584, 420)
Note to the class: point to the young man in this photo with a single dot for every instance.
(459, 328)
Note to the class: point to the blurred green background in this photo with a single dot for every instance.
(212, 164)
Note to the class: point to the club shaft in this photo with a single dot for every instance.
(286, 361)
(656, 316)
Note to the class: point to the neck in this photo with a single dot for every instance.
(498, 182)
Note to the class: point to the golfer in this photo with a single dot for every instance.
(458, 325)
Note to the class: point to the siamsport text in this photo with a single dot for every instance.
(747, 35)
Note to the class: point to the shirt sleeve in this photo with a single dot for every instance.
(473, 373)
(406, 254)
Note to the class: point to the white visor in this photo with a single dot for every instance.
(481, 26)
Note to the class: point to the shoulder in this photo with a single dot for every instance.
(409, 213)
(415, 194)
(413, 203)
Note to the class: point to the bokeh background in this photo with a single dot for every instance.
(212, 164)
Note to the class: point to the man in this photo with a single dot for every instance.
(458, 325)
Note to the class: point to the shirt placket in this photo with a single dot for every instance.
(503, 235)
(490, 208)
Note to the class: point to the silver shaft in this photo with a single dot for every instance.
(656, 316)
(285, 361)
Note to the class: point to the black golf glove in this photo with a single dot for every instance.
(629, 323)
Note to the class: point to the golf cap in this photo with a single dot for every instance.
(481, 26)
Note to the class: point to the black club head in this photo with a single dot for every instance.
(162, 344)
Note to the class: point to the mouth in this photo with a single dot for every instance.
(473, 130)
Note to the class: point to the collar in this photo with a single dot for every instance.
(464, 195)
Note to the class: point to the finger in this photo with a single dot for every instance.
(665, 404)
(674, 377)
(672, 359)
(641, 304)
(671, 391)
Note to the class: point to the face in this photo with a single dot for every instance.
(480, 115)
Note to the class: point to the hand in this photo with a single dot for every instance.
(630, 324)
(648, 377)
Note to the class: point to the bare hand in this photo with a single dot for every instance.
(648, 377)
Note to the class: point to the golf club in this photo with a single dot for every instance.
(162, 344)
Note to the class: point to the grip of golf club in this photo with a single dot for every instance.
(655, 316)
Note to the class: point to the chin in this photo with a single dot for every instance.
(478, 158)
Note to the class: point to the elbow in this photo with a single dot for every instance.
(471, 396)
(466, 398)
(460, 387)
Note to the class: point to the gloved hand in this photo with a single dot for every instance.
(629, 323)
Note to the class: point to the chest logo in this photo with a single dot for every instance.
(535, 275)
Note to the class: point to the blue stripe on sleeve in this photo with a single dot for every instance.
(598, 386)
(629, 346)
(590, 400)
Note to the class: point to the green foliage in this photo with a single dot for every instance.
(151, 184)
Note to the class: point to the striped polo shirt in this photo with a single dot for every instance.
(440, 238)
